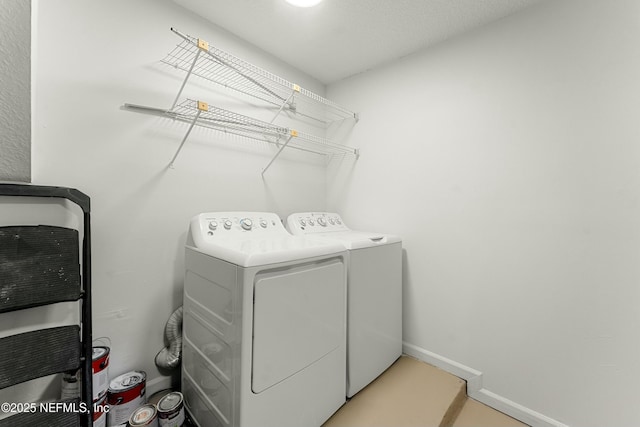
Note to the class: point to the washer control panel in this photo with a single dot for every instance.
(247, 224)
(315, 222)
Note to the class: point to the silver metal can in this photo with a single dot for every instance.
(171, 410)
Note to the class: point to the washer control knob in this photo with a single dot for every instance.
(311, 222)
(331, 221)
(322, 222)
(228, 224)
(263, 223)
(303, 222)
(338, 221)
(246, 224)
(213, 225)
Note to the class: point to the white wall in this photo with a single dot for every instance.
(509, 160)
(15, 90)
(94, 56)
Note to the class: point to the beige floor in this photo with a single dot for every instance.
(413, 393)
(475, 414)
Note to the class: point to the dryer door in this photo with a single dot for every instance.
(298, 318)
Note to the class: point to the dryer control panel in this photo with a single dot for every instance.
(241, 224)
(315, 222)
(249, 239)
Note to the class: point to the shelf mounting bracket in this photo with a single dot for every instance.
(186, 78)
(286, 101)
(292, 134)
(202, 106)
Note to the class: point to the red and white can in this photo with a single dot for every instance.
(146, 416)
(99, 412)
(126, 393)
(171, 410)
(100, 369)
(71, 381)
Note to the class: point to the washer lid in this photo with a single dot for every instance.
(357, 239)
(330, 227)
(253, 238)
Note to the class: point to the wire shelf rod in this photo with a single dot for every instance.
(184, 139)
(184, 82)
(277, 154)
(282, 107)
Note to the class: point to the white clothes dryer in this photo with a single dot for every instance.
(374, 294)
(264, 323)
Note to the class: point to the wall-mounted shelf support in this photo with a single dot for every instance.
(186, 78)
(202, 106)
(288, 101)
(279, 151)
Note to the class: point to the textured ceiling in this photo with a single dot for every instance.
(339, 38)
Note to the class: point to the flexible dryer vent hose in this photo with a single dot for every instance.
(169, 357)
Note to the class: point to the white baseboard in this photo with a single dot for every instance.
(477, 392)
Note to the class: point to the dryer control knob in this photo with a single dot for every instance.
(322, 222)
(228, 224)
(263, 224)
(311, 222)
(303, 222)
(213, 225)
(338, 221)
(331, 221)
(246, 223)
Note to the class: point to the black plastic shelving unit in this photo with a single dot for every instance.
(40, 265)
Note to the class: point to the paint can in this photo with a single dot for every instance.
(146, 415)
(99, 412)
(71, 381)
(171, 410)
(100, 369)
(126, 393)
(70, 385)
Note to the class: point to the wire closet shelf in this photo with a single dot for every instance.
(200, 113)
(238, 124)
(196, 57)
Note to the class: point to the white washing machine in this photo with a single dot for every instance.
(374, 294)
(264, 323)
